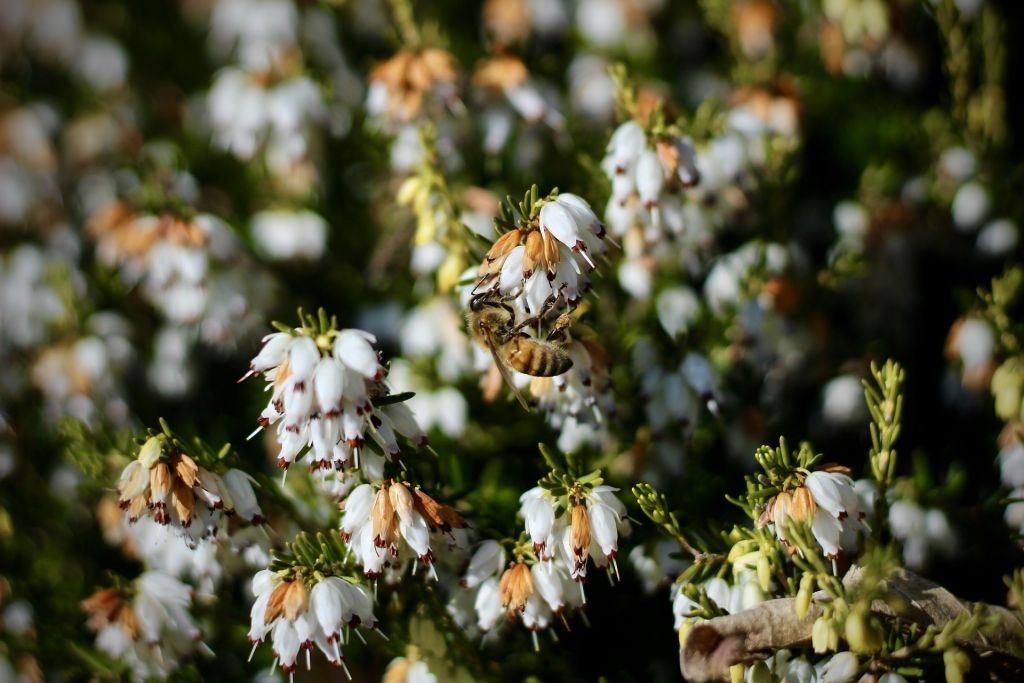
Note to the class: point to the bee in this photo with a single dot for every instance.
(493, 324)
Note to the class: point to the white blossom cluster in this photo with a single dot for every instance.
(152, 631)
(296, 618)
(588, 529)
(321, 400)
(174, 490)
(517, 105)
(528, 268)
(391, 526)
(536, 593)
(827, 500)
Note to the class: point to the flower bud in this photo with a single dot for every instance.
(151, 451)
(764, 572)
(752, 595)
(803, 596)
(861, 634)
(824, 636)
(957, 664)
(759, 673)
(684, 631)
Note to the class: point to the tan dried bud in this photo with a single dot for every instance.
(160, 483)
(417, 74)
(802, 506)
(504, 244)
(275, 605)
(507, 20)
(296, 599)
(579, 534)
(110, 217)
(490, 267)
(500, 73)
(186, 469)
(281, 374)
(383, 517)
(102, 607)
(438, 516)
(183, 501)
(668, 154)
(397, 671)
(440, 65)
(785, 295)
(136, 508)
(129, 621)
(533, 253)
(401, 500)
(515, 587)
(755, 22)
(552, 254)
(391, 72)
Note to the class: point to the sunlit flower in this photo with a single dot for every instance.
(296, 617)
(321, 396)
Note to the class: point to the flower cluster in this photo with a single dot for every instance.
(826, 500)
(584, 524)
(389, 525)
(168, 485)
(298, 613)
(412, 83)
(147, 624)
(546, 256)
(323, 386)
(507, 91)
(647, 180)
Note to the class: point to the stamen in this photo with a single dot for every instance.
(255, 432)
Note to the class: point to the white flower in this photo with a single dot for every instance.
(998, 238)
(408, 670)
(486, 562)
(284, 234)
(488, 604)
(259, 31)
(843, 400)
(538, 510)
(678, 309)
(970, 206)
(148, 626)
(1011, 465)
(840, 668)
(607, 519)
(246, 115)
(625, 146)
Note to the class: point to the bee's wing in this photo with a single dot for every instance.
(506, 373)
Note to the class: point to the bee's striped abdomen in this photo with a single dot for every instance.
(538, 359)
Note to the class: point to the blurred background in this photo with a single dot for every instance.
(175, 175)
